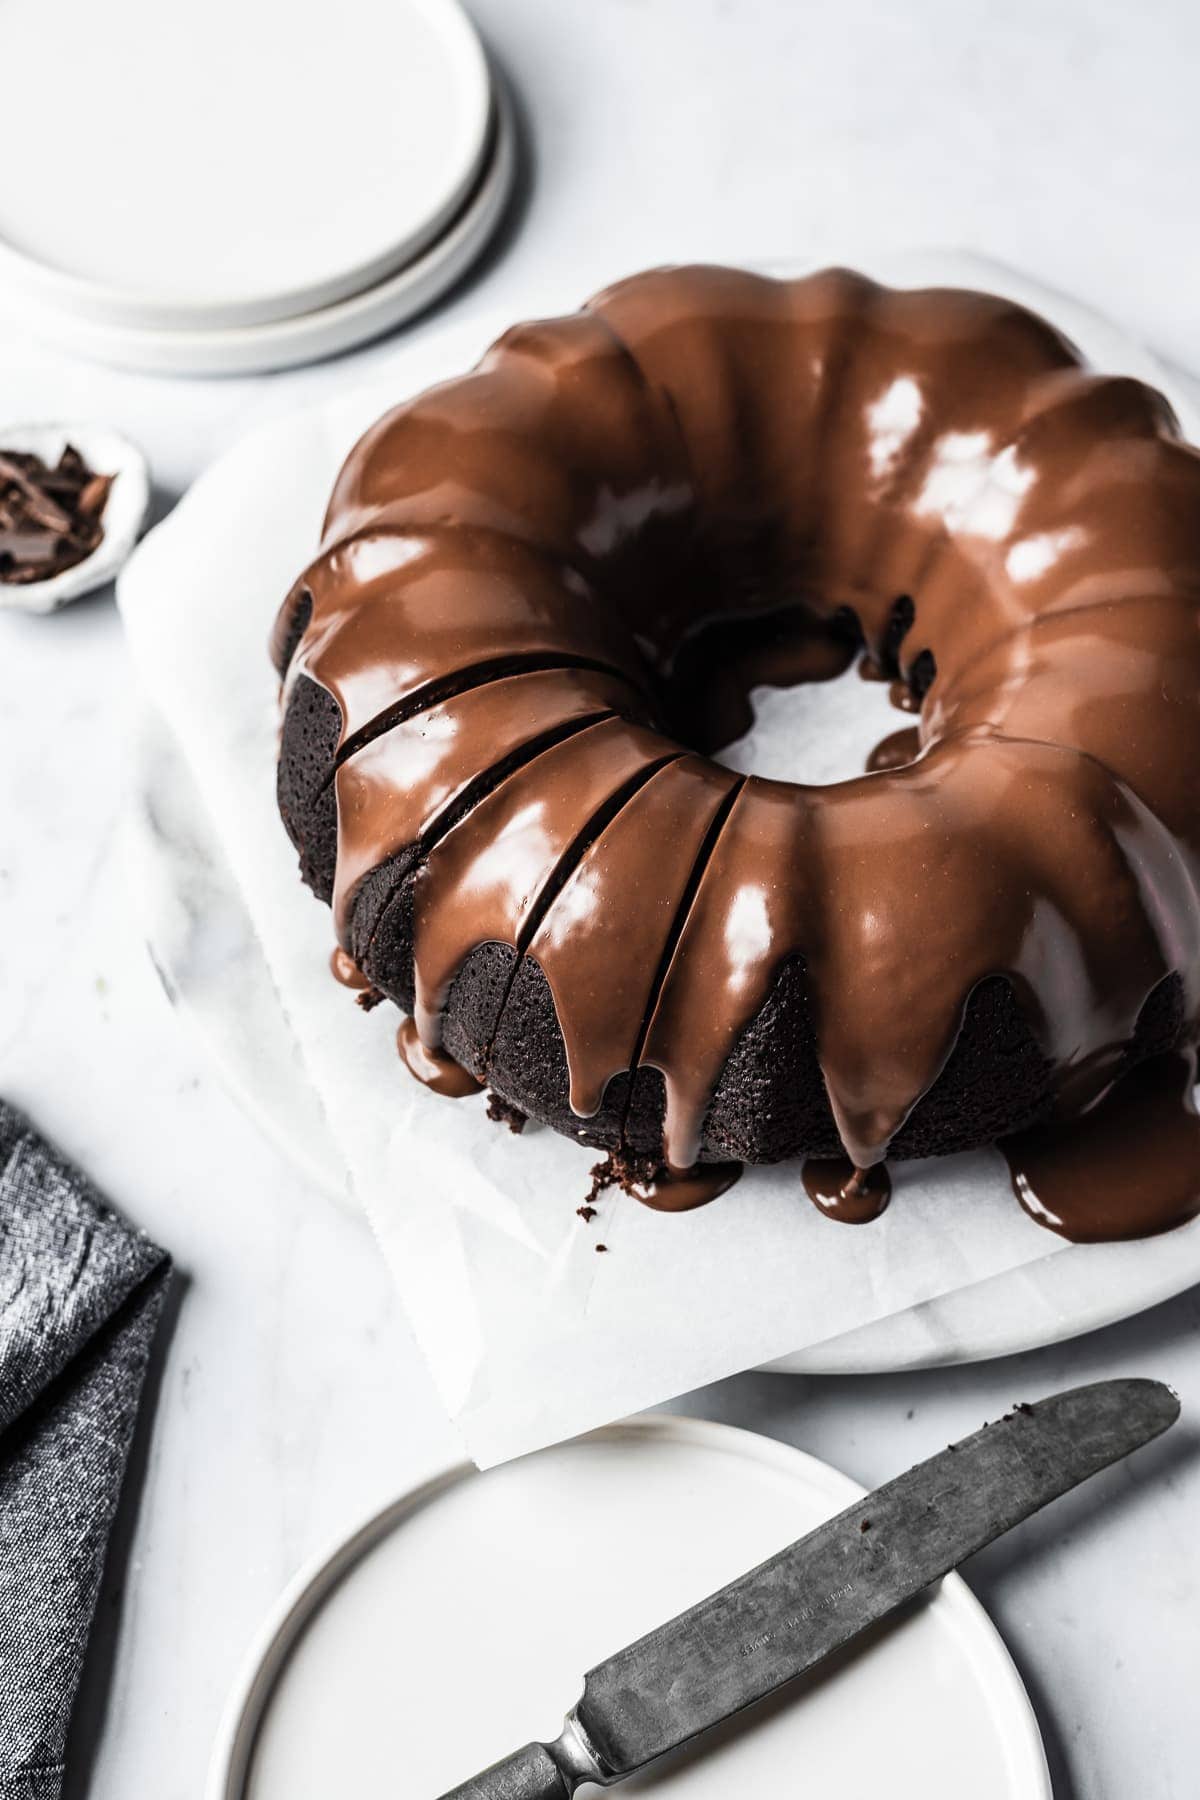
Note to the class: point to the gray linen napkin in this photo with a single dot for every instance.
(81, 1296)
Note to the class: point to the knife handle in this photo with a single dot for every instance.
(528, 1774)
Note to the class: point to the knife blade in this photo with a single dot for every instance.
(797, 1608)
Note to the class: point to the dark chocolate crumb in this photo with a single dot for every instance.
(369, 999)
(626, 1170)
(603, 1176)
(865, 1526)
(586, 1213)
(505, 1114)
(1023, 1406)
(600, 1249)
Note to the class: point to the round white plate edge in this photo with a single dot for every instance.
(327, 331)
(977, 1635)
(945, 1329)
(78, 296)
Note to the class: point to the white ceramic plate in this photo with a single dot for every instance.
(230, 164)
(458, 1624)
(325, 331)
(220, 981)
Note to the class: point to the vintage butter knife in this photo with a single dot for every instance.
(820, 1593)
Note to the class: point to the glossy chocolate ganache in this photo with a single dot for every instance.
(543, 593)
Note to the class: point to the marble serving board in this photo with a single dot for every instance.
(213, 968)
(952, 1272)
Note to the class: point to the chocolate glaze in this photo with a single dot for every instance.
(661, 1188)
(409, 785)
(345, 970)
(433, 1068)
(711, 679)
(1129, 1168)
(509, 859)
(898, 748)
(842, 1192)
(632, 877)
(688, 1189)
(518, 565)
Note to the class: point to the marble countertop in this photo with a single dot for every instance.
(1059, 136)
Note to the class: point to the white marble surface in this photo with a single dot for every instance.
(1058, 135)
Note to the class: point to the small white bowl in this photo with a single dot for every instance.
(106, 453)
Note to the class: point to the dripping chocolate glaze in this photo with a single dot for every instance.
(346, 971)
(660, 1188)
(687, 455)
(688, 1189)
(433, 1068)
(1129, 1168)
(898, 748)
(842, 1192)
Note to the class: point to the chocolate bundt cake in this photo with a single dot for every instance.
(536, 581)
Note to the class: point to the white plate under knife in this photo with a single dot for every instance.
(391, 1670)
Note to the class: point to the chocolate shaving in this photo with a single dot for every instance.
(50, 518)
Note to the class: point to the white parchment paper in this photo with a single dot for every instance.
(530, 1334)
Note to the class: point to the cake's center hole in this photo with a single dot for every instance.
(781, 697)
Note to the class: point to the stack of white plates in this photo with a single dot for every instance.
(242, 184)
